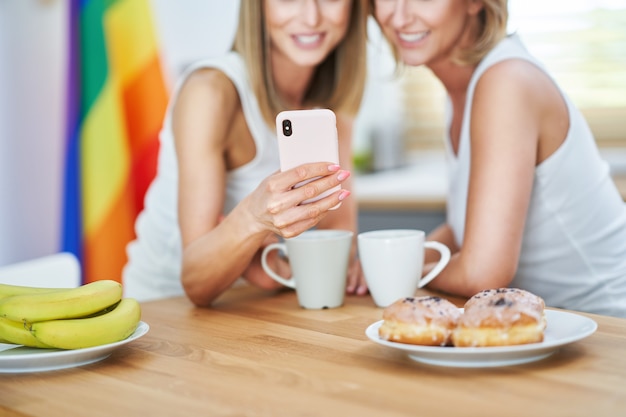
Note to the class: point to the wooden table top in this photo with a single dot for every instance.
(259, 354)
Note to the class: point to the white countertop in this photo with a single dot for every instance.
(420, 183)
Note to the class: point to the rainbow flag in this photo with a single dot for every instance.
(116, 103)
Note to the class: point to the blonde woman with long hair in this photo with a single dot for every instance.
(219, 197)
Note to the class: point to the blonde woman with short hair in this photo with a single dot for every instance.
(530, 204)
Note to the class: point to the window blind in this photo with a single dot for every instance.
(583, 45)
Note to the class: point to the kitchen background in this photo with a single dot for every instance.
(398, 139)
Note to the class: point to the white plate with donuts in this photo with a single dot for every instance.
(562, 329)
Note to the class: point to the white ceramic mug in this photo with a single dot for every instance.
(392, 262)
(319, 263)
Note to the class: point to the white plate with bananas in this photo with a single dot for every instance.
(21, 359)
(43, 329)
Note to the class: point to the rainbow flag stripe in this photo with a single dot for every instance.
(116, 103)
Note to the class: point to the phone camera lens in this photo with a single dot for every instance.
(287, 131)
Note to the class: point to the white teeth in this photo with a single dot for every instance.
(308, 39)
(412, 37)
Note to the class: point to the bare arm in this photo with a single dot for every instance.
(506, 127)
(216, 252)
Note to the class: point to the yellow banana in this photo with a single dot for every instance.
(103, 311)
(7, 290)
(16, 333)
(109, 327)
(69, 303)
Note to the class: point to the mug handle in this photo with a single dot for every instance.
(269, 271)
(445, 258)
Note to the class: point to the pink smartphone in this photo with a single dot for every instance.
(307, 136)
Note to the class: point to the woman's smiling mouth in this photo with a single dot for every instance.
(412, 37)
(309, 39)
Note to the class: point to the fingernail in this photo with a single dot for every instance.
(343, 175)
(343, 194)
(334, 168)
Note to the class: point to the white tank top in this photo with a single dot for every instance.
(155, 257)
(574, 244)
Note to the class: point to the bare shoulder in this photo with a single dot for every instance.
(518, 91)
(206, 104)
(515, 77)
(209, 89)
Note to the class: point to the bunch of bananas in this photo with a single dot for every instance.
(69, 318)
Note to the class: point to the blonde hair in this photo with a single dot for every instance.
(339, 80)
(491, 29)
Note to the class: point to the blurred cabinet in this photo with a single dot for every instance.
(411, 196)
(375, 219)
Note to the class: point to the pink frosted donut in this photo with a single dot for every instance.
(501, 317)
(420, 321)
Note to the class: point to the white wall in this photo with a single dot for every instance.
(31, 126)
(32, 104)
(193, 29)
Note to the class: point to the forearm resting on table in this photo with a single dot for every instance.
(461, 276)
(466, 277)
(212, 263)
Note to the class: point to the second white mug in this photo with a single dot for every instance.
(392, 262)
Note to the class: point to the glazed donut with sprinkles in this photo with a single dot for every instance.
(494, 317)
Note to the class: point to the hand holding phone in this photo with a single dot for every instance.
(306, 136)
